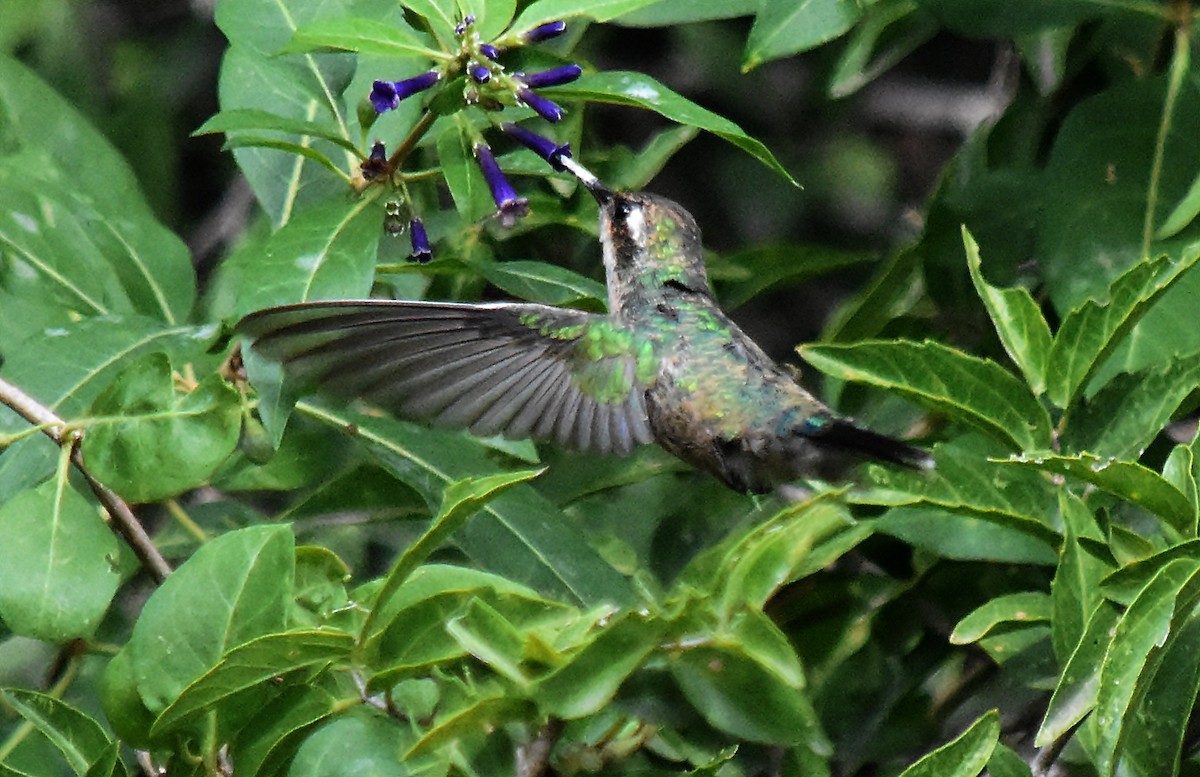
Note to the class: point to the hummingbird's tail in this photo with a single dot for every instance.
(844, 435)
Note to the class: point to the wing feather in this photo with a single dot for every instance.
(515, 369)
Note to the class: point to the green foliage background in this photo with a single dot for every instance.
(354, 594)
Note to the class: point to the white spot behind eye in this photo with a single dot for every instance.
(635, 222)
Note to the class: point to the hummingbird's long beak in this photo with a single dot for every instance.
(602, 193)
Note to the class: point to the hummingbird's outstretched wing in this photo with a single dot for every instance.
(523, 370)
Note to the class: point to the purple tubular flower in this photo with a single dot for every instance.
(421, 251)
(545, 31)
(544, 147)
(479, 73)
(461, 27)
(553, 77)
(488, 50)
(376, 164)
(386, 95)
(511, 206)
(540, 105)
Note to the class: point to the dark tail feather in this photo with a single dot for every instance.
(863, 442)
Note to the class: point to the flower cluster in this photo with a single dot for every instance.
(489, 86)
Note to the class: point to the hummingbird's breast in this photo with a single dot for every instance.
(719, 401)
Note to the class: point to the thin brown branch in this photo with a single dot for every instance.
(123, 519)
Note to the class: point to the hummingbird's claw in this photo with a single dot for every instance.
(602, 193)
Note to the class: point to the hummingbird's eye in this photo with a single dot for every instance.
(622, 208)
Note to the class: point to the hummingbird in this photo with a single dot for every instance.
(665, 365)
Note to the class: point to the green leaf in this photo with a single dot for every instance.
(737, 694)
(256, 662)
(58, 563)
(1018, 320)
(1095, 227)
(542, 282)
(467, 186)
(1006, 762)
(247, 119)
(744, 275)
(1091, 330)
(519, 534)
(1078, 686)
(472, 721)
(968, 537)
(272, 736)
(151, 263)
(1155, 732)
(1025, 607)
(486, 634)
(1125, 479)
(785, 27)
(641, 91)
(769, 556)
(592, 675)
(974, 391)
(327, 252)
(363, 743)
(234, 589)
(366, 36)
(461, 499)
(542, 11)
(966, 482)
(666, 13)
(887, 33)
(1075, 590)
(1184, 213)
(1134, 654)
(76, 735)
(965, 756)
(1007, 18)
(1131, 410)
(147, 444)
(304, 88)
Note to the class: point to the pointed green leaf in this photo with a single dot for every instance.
(253, 663)
(593, 674)
(642, 91)
(966, 482)
(460, 500)
(1019, 322)
(273, 735)
(543, 11)
(486, 634)
(785, 27)
(366, 36)
(543, 282)
(79, 738)
(887, 33)
(463, 178)
(1075, 590)
(1131, 410)
(519, 534)
(58, 563)
(1125, 479)
(1090, 331)
(327, 252)
(737, 694)
(1155, 733)
(1025, 607)
(1079, 684)
(147, 444)
(965, 756)
(1134, 654)
(975, 391)
(247, 119)
(235, 588)
(1184, 213)
(1123, 585)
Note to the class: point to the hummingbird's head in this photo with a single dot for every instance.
(651, 244)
